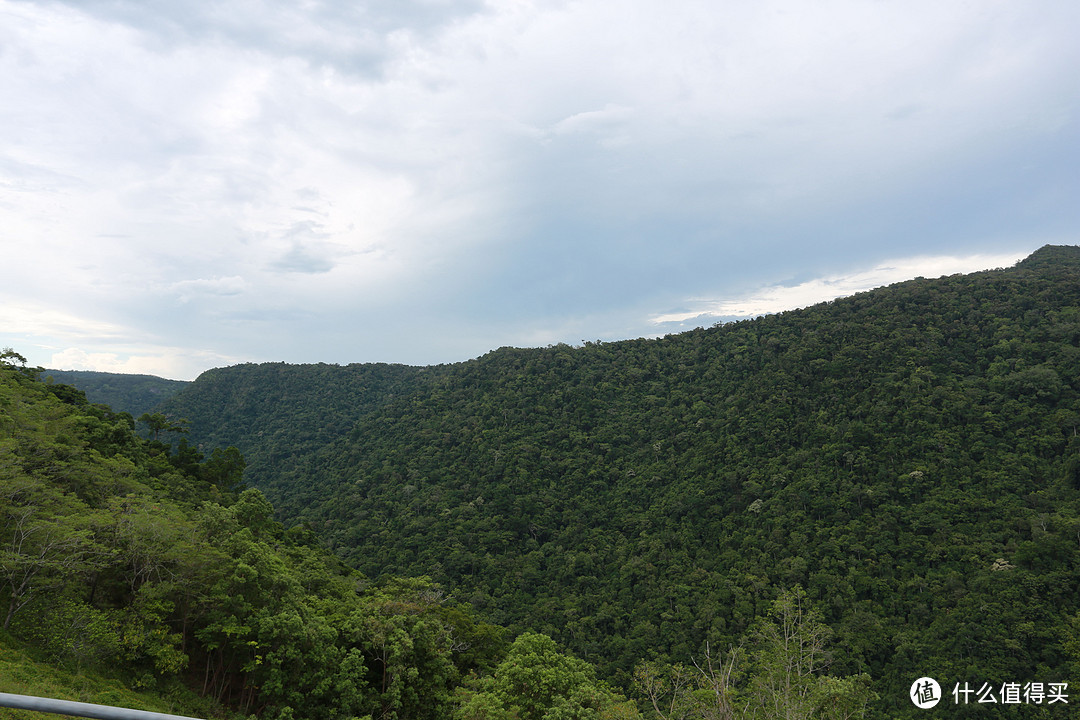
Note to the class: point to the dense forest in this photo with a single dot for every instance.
(142, 574)
(159, 568)
(133, 394)
(907, 457)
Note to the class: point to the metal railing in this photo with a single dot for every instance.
(80, 709)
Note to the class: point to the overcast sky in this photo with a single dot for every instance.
(193, 184)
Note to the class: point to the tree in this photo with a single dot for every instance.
(9, 357)
(44, 542)
(158, 423)
(707, 690)
(537, 682)
(225, 469)
(791, 651)
(790, 658)
(407, 648)
(785, 659)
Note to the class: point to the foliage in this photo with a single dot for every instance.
(158, 423)
(125, 556)
(781, 676)
(131, 394)
(23, 673)
(537, 682)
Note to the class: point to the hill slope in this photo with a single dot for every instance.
(125, 565)
(283, 414)
(909, 455)
(133, 394)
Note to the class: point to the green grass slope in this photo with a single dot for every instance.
(22, 674)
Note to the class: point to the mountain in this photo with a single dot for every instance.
(126, 565)
(909, 456)
(284, 414)
(133, 394)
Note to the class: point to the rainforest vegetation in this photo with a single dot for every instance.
(888, 483)
(133, 394)
(133, 564)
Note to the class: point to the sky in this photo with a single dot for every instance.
(187, 185)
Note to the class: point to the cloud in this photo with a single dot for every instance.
(300, 259)
(351, 37)
(324, 173)
(609, 124)
(778, 298)
(186, 290)
(28, 319)
(93, 344)
(168, 362)
(309, 252)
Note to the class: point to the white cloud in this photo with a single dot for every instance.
(609, 124)
(778, 298)
(479, 167)
(21, 318)
(169, 362)
(185, 290)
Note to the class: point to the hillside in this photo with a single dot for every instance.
(124, 565)
(21, 674)
(909, 455)
(133, 394)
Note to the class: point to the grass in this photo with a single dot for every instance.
(23, 674)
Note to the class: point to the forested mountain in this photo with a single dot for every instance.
(126, 564)
(283, 414)
(910, 456)
(133, 394)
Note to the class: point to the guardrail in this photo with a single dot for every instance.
(80, 709)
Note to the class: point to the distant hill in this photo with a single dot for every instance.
(134, 394)
(284, 414)
(909, 455)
